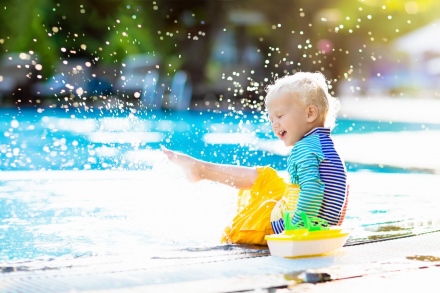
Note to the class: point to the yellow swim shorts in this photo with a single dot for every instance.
(254, 208)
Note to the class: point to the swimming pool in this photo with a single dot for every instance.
(56, 139)
(95, 183)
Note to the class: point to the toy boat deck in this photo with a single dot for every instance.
(311, 236)
(236, 268)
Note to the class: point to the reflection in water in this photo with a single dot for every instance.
(157, 213)
(97, 213)
(56, 140)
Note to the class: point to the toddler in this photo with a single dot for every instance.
(302, 114)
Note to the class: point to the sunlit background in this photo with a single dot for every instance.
(90, 89)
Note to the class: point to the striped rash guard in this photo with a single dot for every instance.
(315, 165)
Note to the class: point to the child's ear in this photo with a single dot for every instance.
(312, 113)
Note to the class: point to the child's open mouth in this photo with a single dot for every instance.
(282, 134)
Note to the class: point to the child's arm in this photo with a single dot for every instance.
(312, 188)
(237, 176)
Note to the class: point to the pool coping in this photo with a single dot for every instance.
(231, 274)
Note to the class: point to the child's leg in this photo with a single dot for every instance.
(196, 170)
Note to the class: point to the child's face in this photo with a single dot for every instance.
(289, 118)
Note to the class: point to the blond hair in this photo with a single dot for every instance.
(311, 89)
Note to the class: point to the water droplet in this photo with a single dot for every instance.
(14, 123)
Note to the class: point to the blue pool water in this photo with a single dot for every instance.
(82, 183)
(53, 139)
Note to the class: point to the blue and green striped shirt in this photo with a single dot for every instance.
(315, 165)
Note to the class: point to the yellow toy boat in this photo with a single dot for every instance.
(312, 236)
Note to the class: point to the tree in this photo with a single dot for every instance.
(341, 38)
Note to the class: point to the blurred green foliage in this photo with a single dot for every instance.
(184, 32)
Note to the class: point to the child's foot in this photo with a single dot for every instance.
(190, 166)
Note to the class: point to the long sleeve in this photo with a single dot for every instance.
(315, 165)
(311, 187)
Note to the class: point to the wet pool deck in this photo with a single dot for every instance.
(405, 263)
